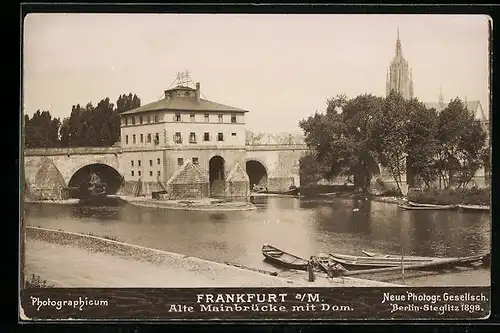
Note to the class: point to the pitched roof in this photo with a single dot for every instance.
(474, 106)
(184, 103)
(49, 176)
(237, 174)
(188, 173)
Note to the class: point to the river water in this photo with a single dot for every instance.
(302, 226)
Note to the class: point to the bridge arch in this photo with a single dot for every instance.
(257, 172)
(105, 172)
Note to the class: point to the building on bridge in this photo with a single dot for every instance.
(160, 138)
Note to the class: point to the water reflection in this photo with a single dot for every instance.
(302, 227)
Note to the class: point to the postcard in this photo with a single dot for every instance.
(247, 167)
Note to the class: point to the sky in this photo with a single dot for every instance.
(282, 68)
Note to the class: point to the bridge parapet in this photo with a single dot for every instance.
(275, 147)
(71, 151)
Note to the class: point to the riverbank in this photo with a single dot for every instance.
(204, 204)
(66, 259)
(53, 202)
(473, 196)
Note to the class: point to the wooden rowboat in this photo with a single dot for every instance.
(417, 204)
(398, 257)
(474, 208)
(293, 191)
(367, 262)
(436, 207)
(282, 258)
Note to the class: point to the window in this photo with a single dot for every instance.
(220, 118)
(142, 138)
(133, 120)
(133, 138)
(140, 119)
(139, 162)
(126, 139)
(220, 137)
(177, 117)
(195, 160)
(151, 173)
(158, 173)
(131, 163)
(233, 119)
(150, 162)
(180, 161)
(126, 120)
(139, 173)
(177, 137)
(148, 119)
(132, 173)
(149, 137)
(192, 137)
(157, 138)
(191, 117)
(207, 118)
(233, 134)
(206, 136)
(156, 119)
(158, 161)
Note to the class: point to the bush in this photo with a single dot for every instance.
(36, 282)
(473, 196)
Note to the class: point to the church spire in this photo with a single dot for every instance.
(441, 99)
(398, 46)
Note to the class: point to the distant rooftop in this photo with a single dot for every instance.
(474, 106)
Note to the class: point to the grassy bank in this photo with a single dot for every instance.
(474, 196)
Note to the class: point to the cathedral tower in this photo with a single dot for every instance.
(399, 75)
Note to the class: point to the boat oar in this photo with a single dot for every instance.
(252, 269)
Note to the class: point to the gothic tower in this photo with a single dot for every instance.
(399, 75)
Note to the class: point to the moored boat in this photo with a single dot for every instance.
(367, 262)
(282, 258)
(474, 208)
(375, 255)
(293, 191)
(430, 207)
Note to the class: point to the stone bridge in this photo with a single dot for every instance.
(263, 163)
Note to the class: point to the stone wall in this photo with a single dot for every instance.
(188, 191)
(187, 182)
(280, 183)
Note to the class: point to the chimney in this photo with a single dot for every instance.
(198, 91)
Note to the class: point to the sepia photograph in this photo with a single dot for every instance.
(253, 151)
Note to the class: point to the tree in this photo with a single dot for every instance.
(461, 140)
(310, 171)
(421, 145)
(341, 138)
(41, 130)
(127, 102)
(389, 135)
